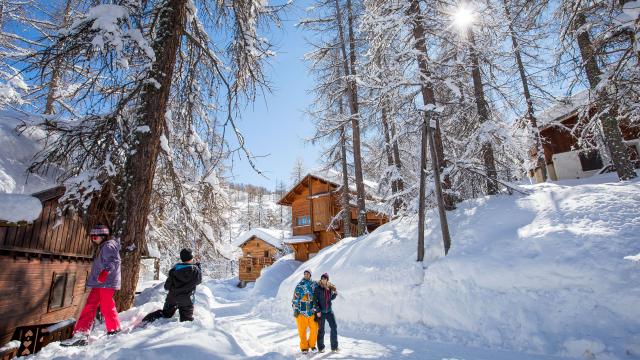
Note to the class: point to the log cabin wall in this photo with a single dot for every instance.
(559, 139)
(43, 268)
(314, 203)
(256, 255)
(300, 208)
(258, 248)
(40, 291)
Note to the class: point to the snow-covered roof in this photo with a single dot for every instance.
(299, 239)
(335, 178)
(563, 108)
(19, 207)
(271, 236)
(18, 150)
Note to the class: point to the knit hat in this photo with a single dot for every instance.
(324, 276)
(186, 255)
(100, 230)
(308, 271)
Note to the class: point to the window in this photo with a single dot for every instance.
(590, 160)
(266, 253)
(304, 220)
(56, 296)
(61, 293)
(249, 269)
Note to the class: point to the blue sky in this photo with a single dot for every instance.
(275, 126)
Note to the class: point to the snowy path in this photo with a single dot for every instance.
(225, 328)
(257, 336)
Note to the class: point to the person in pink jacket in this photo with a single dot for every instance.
(104, 280)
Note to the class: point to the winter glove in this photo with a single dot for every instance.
(103, 276)
(295, 314)
(199, 266)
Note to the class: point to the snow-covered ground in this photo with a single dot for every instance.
(549, 275)
(226, 328)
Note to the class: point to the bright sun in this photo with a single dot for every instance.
(462, 17)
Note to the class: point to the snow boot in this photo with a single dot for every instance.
(313, 349)
(305, 351)
(335, 350)
(77, 340)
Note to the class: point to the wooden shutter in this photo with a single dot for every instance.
(69, 289)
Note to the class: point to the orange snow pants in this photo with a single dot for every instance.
(305, 322)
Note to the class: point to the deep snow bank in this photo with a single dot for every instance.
(271, 277)
(163, 339)
(541, 273)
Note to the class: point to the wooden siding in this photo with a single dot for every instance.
(556, 139)
(253, 258)
(30, 255)
(251, 267)
(25, 285)
(322, 213)
(49, 234)
(256, 247)
(326, 239)
(300, 207)
(318, 200)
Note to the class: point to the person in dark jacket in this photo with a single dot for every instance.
(324, 293)
(181, 284)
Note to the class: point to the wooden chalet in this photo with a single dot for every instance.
(315, 201)
(259, 249)
(44, 267)
(567, 157)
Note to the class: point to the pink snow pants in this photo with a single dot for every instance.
(103, 298)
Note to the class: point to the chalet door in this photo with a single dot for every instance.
(321, 215)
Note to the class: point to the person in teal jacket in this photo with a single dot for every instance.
(304, 312)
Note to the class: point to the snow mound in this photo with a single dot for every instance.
(271, 236)
(543, 273)
(267, 284)
(18, 207)
(18, 150)
(162, 339)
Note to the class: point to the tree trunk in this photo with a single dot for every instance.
(2, 15)
(608, 122)
(355, 125)
(388, 151)
(483, 114)
(428, 99)
(422, 192)
(396, 158)
(344, 196)
(350, 72)
(141, 165)
(444, 226)
(540, 160)
(56, 72)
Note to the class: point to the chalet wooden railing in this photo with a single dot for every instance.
(49, 234)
